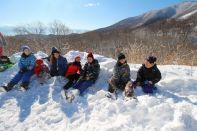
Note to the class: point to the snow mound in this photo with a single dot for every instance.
(42, 108)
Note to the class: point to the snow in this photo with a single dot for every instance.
(42, 107)
(186, 16)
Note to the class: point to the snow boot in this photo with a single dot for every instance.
(129, 91)
(8, 87)
(24, 86)
(112, 96)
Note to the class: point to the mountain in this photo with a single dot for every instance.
(175, 12)
(42, 108)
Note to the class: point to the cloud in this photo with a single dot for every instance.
(92, 4)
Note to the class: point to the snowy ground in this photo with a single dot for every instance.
(42, 108)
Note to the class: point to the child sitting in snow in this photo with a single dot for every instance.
(148, 75)
(73, 72)
(89, 74)
(120, 78)
(41, 70)
(26, 70)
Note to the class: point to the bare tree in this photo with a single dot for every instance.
(58, 28)
(37, 28)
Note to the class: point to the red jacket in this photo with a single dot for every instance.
(73, 68)
(40, 69)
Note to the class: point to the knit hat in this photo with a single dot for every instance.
(90, 55)
(78, 56)
(25, 47)
(121, 56)
(39, 61)
(55, 50)
(151, 59)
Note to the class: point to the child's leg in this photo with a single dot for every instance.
(16, 78)
(71, 79)
(112, 85)
(76, 76)
(68, 85)
(26, 78)
(129, 92)
(84, 85)
(148, 89)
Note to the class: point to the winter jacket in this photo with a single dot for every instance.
(121, 73)
(38, 70)
(91, 70)
(59, 66)
(2, 41)
(73, 68)
(27, 62)
(148, 74)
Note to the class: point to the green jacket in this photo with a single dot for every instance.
(121, 73)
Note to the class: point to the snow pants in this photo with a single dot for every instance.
(82, 85)
(147, 88)
(24, 77)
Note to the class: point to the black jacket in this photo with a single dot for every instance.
(91, 70)
(151, 74)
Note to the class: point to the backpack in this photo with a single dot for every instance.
(4, 60)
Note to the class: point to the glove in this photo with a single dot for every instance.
(134, 84)
(81, 78)
(29, 68)
(23, 70)
(146, 82)
(87, 78)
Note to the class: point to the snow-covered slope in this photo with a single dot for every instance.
(41, 108)
(176, 11)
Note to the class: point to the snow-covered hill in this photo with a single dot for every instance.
(177, 11)
(41, 108)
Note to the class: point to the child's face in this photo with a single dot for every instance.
(56, 55)
(27, 51)
(148, 64)
(90, 59)
(78, 59)
(122, 61)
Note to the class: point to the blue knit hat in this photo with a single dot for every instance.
(25, 47)
(54, 50)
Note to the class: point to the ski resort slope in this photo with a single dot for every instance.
(42, 107)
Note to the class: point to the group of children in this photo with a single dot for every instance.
(81, 78)
(147, 76)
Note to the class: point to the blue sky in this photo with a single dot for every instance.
(77, 14)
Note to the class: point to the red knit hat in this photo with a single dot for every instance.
(39, 61)
(78, 56)
(90, 55)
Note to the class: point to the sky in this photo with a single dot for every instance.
(76, 14)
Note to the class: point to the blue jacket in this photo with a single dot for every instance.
(60, 66)
(27, 62)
